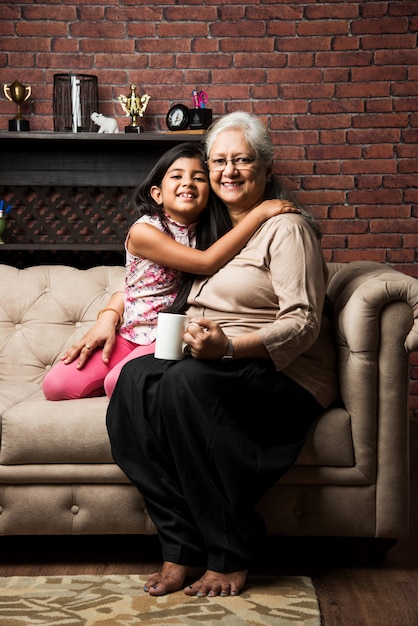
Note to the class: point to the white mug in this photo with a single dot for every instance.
(170, 330)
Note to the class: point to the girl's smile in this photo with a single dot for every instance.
(184, 191)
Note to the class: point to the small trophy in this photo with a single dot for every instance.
(17, 93)
(134, 107)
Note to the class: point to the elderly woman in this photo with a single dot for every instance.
(203, 438)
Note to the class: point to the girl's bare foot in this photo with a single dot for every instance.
(217, 584)
(171, 578)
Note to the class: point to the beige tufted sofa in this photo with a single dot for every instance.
(56, 469)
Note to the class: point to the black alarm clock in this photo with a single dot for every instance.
(178, 117)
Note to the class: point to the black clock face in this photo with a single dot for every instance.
(178, 117)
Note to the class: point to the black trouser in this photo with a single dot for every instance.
(203, 441)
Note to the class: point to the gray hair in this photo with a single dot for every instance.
(258, 137)
(256, 134)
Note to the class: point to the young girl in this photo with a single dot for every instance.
(177, 212)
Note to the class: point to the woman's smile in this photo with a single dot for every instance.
(241, 189)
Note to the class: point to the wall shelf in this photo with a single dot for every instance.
(63, 159)
(71, 192)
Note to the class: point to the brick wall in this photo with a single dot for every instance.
(336, 82)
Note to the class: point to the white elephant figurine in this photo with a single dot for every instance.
(105, 124)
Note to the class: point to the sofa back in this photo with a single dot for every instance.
(44, 309)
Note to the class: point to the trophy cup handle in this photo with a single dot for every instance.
(18, 93)
(6, 89)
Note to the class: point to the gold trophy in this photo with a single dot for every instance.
(17, 93)
(134, 107)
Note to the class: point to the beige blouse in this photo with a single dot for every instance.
(276, 287)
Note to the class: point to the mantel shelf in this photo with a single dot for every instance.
(71, 247)
(71, 192)
(85, 159)
(145, 137)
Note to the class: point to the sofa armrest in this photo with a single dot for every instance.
(364, 288)
(376, 326)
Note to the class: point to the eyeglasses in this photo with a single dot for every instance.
(239, 163)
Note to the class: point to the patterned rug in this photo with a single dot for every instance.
(121, 601)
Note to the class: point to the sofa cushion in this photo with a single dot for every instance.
(13, 392)
(74, 431)
(69, 431)
(329, 441)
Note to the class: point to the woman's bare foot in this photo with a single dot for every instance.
(171, 578)
(217, 584)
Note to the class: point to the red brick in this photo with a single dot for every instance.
(182, 29)
(320, 197)
(400, 181)
(333, 152)
(374, 196)
(61, 13)
(401, 256)
(396, 57)
(370, 166)
(384, 26)
(378, 151)
(350, 254)
(326, 11)
(341, 212)
(323, 28)
(394, 226)
(373, 73)
(127, 14)
(374, 241)
(41, 29)
(190, 14)
(22, 59)
(380, 136)
(327, 167)
(343, 59)
(388, 41)
(407, 166)
(385, 211)
(381, 105)
(321, 182)
(63, 44)
(345, 43)
(110, 30)
(363, 90)
(403, 7)
(97, 46)
(10, 12)
(260, 59)
(301, 44)
(406, 104)
(286, 12)
(347, 226)
(231, 12)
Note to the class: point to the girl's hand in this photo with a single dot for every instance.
(205, 339)
(270, 208)
(101, 335)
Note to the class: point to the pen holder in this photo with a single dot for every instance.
(200, 118)
(75, 99)
(3, 224)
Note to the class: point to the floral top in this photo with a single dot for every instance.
(149, 287)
